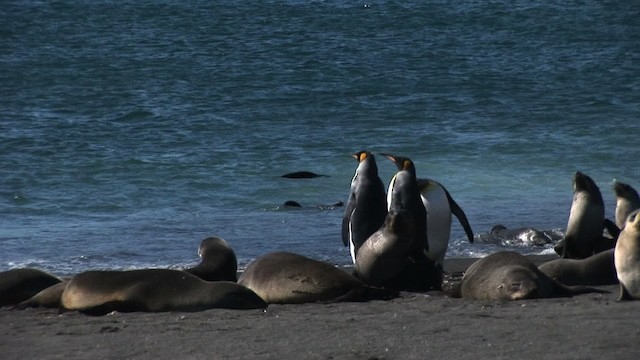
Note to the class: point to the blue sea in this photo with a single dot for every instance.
(132, 130)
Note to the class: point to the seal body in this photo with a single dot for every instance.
(586, 220)
(153, 290)
(17, 285)
(627, 200)
(597, 269)
(287, 278)
(439, 206)
(49, 297)
(366, 208)
(509, 275)
(219, 262)
(627, 258)
(385, 254)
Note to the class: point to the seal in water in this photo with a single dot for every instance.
(17, 285)
(302, 175)
(508, 275)
(153, 290)
(525, 235)
(287, 278)
(219, 262)
(597, 269)
(627, 258)
(367, 205)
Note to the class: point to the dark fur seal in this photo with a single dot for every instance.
(17, 285)
(219, 262)
(597, 269)
(287, 278)
(153, 290)
(302, 175)
(509, 275)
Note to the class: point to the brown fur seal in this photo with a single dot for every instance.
(385, 254)
(627, 258)
(520, 236)
(287, 278)
(49, 297)
(627, 200)
(584, 237)
(154, 290)
(17, 285)
(509, 275)
(219, 262)
(597, 269)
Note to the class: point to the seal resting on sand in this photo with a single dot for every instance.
(49, 297)
(287, 278)
(508, 275)
(597, 269)
(219, 262)
(17, 285)
(153, 290)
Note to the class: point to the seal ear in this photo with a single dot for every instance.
(624, 294)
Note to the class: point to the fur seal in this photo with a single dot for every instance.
(524, 235)
(153, 290)
(367, 205)
(439, 206)
(583, 237)
(48, 298)
(627, 258)
(219, 262)
(597, 269)
(302, 175)
(17, 285)
(385, 254)
(627, 200)
(508, 275)
(287, 278)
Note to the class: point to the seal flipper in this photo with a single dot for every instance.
(624, 294)
(612, 228)
(459, 213)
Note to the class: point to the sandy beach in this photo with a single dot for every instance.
(412, 326)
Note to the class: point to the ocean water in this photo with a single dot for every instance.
(131, 130)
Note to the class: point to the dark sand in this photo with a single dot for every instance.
(413, 326)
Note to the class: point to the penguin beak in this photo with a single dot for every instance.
(390, 157)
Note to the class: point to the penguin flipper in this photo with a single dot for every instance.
(346, 219)
(459, 213)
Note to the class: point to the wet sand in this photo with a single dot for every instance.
(412, 326)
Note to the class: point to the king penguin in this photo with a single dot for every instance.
(440, 205)
(403, 194)
(366, 208)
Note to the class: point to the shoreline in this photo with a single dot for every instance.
(413, 326)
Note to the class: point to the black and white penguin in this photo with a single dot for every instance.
(440, 205)
(366, 208)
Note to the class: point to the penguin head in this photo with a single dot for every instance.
(362, 156)
(403, 163)
(366, 163)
